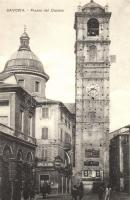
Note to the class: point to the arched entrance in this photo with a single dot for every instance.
(28, 167)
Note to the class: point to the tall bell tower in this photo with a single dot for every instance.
(92, 91)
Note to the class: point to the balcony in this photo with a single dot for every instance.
(15, 133)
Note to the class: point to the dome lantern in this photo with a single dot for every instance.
(24, 41)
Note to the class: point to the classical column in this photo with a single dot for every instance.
(66, 185)
(62, 183)
(70, 185)
(1, 163)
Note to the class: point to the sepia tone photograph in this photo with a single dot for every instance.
(64, 100)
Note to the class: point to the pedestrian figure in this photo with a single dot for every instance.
(31, 192)
(48, 188)
(101, 190)
(26, 192)
(80, 191)
(74, 192)
(107, 193)
(16, 190)
(44, 189)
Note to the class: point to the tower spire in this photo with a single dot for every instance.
(25, 28)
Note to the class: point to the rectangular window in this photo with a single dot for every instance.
(4, 112)
(95, 153)
(37, 86)
(88, 153)
(21, 82)
(4, 120)
(44, 178)
(30, 124)
(61, 116)
(69, 125)
(66, 122)
(44, 153)
(45, 112)
(86, 173)
(97, 173)
(44, 133)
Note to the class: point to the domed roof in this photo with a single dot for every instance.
(92, 4)
(24, 60)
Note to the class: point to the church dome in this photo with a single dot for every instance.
(24, 60)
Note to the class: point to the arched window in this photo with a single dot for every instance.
(29, 157)
(93, 27)
(92, 53)
(19, 155)
(7, 153)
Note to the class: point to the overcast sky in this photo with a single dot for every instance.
(52, 40)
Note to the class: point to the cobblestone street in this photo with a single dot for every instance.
(115, 196)
(56, 197)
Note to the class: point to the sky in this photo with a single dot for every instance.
(52, 38)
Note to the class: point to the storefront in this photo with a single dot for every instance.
(58, 176)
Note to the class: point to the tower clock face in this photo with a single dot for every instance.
(92, 89)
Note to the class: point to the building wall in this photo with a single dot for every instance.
(17, 148)
(58, 120)
(29, 84)
(119, 162)
(55, 124)
(52, 124)
(16, 104)
(10, 108)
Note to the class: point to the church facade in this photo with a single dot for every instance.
(92, 92)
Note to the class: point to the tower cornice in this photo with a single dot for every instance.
(106, 14)
(107, 41)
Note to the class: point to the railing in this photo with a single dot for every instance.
(16, 133)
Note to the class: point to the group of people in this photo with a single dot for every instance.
(28, 191)
(104, 192)
(45, 189)
(77, 191)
